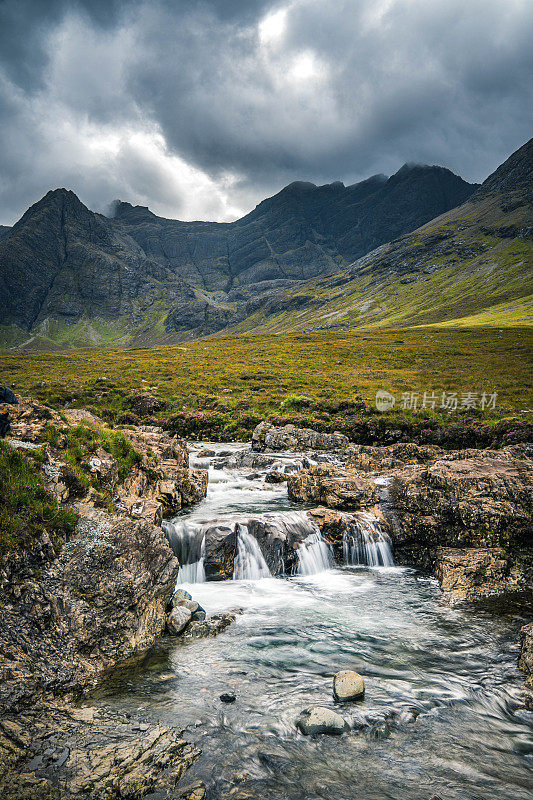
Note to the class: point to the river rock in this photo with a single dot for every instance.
(335, 487)
(206, 453)
(348, 685)
(475, 573)
(192, 605)
(178, 619)
(268, 437)
(321, 720)
(220, 549)
(195, 791)
(275, 476)
(180, 594)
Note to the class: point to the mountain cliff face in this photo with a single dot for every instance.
(472, 266)
(69, 276)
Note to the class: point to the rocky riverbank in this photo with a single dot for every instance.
(77, 605)
(466, 516)
(75, 609)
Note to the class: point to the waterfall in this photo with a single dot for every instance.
(188, 545)
(249, 562)
(365, 544)
(314, 555)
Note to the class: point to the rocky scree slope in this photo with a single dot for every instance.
(70, 276)
(72, 611)
(470, 266)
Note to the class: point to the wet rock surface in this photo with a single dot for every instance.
(317, 720)
(102, 601)
(476, 573)
(267, 437)
(54, 752)
(335, 487)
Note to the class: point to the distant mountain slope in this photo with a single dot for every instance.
(69, 276)
(471, 266)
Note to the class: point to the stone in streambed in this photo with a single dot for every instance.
(321, 720)
(178, 619)
(192, 605)
(348, 685)
(180, 594)
(228, 697)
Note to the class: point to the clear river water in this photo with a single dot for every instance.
(442, 712)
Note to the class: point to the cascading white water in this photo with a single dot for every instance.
(188, 544)
(365, 544)
(314, 555)
(249, 563)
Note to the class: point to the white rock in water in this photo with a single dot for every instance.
(178, 619)
(321, 720)
(348, 685)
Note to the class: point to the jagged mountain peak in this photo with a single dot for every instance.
(66, 264)
(514, 175)
(123, 210)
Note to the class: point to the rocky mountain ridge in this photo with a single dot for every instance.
(472, 265)
(70, 276)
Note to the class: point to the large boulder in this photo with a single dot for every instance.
(464, 500)
(101, 602)
(268, 437)
(335, 487)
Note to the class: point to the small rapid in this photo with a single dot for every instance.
(442, 712)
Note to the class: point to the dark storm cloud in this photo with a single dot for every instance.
(200, 109)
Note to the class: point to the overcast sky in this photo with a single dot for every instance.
(201, 109)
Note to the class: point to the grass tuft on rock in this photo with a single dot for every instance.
(26, 509)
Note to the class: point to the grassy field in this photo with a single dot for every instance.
(223, 386)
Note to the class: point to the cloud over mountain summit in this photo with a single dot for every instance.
(201, 109)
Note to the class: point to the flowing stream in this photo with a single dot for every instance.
(442, 712)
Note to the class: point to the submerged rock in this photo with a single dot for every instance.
(526, 659)
(228, 697)
(321, 720)
(348, 685)
(195, 791)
